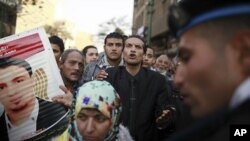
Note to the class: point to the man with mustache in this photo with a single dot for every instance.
(71, 66)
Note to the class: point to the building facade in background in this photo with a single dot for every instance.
(34, 15)
(150, 21)
(21, 15)
(8, 14)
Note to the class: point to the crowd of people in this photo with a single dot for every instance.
(130, 94)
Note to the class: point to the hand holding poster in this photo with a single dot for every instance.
(29, 79)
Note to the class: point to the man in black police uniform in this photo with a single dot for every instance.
(214, 75)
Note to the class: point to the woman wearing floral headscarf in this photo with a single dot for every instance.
(97, 114)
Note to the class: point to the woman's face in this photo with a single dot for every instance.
(93, 125)
(91, 55)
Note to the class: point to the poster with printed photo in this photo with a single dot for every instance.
(29, 79)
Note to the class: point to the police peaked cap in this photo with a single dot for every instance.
(189, 13)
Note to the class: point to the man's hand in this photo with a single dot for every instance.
(101, 75)
(64, 99)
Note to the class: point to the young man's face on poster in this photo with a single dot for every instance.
(16, 91)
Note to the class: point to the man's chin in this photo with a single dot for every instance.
(20, 108)
(133, 63)
(74, 77)
(114, 58)
(145, 65)
(199, 113)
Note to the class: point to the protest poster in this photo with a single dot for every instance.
(29, 79)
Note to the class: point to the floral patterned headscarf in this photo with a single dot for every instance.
(102, 96)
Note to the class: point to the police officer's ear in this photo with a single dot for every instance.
(241, 44)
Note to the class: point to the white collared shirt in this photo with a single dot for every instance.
(24, 130)
(164, 73)
(241, 94)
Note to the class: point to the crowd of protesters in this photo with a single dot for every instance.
(128, 93)
(147, 109)
(150, 104)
